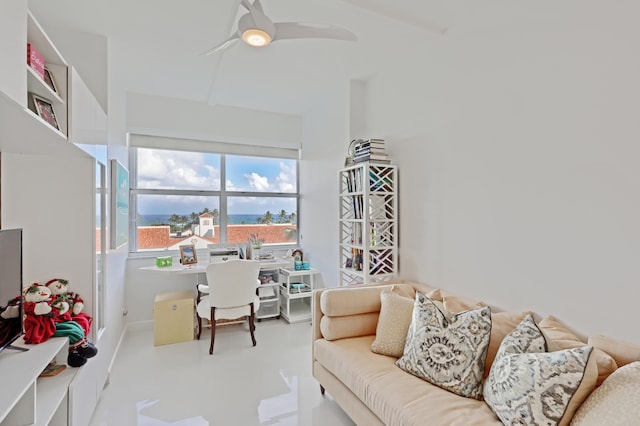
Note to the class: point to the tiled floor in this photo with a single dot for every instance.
(181, 384)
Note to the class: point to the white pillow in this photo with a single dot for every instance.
(615, 403)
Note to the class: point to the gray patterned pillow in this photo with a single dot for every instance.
(528, 385)
(449, 353)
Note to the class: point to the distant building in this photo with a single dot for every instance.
(205, 227)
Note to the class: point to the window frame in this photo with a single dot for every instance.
(222, 194)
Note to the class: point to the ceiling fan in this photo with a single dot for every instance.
(258, 30)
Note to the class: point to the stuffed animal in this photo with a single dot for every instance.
(38, 323)
(71, 321)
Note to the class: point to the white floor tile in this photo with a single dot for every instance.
(181, 384)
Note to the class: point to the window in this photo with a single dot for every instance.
(202, 197)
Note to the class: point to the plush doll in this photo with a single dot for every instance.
(71, 321)
(38, 322)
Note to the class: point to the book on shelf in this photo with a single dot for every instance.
(372, 160)
(35, 60)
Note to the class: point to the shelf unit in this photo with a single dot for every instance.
(59, 71)
(27, 399)
(368, 223)
(295, 293)
(268, 293)
(38, 162)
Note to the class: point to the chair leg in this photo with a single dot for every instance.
(252, 326)
(213, 329)
(199, 327)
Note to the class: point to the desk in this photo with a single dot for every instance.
(269, 296)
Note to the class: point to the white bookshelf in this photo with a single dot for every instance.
(368, 223)
(27, 399)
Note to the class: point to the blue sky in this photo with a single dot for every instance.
(201, 171)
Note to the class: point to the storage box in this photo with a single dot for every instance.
(164, 262)
(268, 308)
(173, 317)
(35, 60)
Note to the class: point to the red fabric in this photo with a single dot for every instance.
(38, 328)
(84, 321)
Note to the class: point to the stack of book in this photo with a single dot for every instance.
(371, 150)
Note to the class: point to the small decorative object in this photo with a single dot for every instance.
(297, 255)
(255, 241)
(306, 265)
(35, 60)
(164, 262)
(351, 152)
(48, 78)
(188, 254)
(44, 109)
(297, 265)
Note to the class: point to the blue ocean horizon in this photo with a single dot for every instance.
(232, 219)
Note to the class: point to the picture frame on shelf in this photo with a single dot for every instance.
(188, 255)
(48, 78)
(44, 109)
(119, 234)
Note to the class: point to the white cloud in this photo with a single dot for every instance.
(175, 169)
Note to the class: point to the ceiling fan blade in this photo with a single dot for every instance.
(293, 30)
(224, 45)
(260, 20)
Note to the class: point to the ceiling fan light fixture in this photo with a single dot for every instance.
(256, 37)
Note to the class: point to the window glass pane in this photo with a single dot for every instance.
(166, 221)
(260, 174)
(271, 220)
(165, 169)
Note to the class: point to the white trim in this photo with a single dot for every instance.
(160, 142)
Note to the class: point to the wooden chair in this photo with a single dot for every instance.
(230, 294)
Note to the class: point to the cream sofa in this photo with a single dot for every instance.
(372, 390)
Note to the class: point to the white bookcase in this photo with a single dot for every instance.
(368, 223)
(25, 398)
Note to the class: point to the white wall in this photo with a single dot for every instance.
(516, 139)
(326, 138)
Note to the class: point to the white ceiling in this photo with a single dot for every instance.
(155, 45)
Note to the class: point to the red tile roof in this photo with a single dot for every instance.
(158, 237)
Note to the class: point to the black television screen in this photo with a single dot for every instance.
(10, 285)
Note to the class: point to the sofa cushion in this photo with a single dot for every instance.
(336, 302)
(447, 353)
(396, 310)
(502, 323)
(559, 336)
(623, 352)
(397, 398)
(333, 328)
(528, 385)
(613, 403)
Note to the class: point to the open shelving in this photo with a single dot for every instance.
(368, 223)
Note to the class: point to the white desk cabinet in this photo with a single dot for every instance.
(295, 294)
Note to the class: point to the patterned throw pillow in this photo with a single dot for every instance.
(528, 385)
(449, 353)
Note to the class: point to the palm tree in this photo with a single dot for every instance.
(215, 213)
(184, 221)
(174, 219)
(282, 217)
(268, 217)
(292, 217)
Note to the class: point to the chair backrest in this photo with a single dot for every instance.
(232, 283)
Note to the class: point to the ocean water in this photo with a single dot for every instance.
(232, 219)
